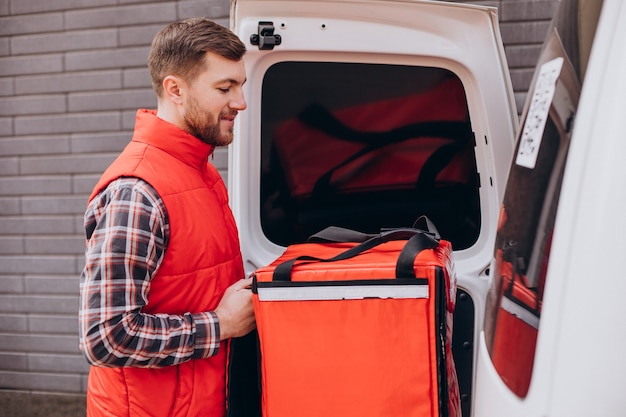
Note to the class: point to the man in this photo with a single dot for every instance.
(163, 286)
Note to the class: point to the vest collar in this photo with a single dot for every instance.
(152, 130)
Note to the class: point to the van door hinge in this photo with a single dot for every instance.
(265, 37)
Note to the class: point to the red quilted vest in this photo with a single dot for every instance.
(202, 259)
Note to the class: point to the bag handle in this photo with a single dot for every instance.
(418, 240)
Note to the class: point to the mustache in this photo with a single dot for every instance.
(232, 113)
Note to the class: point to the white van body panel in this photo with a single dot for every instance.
(461, 38)
(578, 367)
(579, 364)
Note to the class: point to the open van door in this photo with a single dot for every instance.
(367, 114)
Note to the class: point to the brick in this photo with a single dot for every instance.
(82, 184)
(68, 82)
(69, 123)
(524, 56)
(137, 77)
(106, 59)
(38, 6)
(80, 263)
(55, 245)
(34, 145)
(49, 382)
(55, 324)
(13, 361)
(54, 205)
(22, 105)
(106, 142)
(85, 378)
(4, 7)
(140, 35)
(78, 229)
(10, 285)
(5, 47)
(10, 245)
(52, 284)
(143, 1)
(7, 87)
(64, 41)
(35, 23)
(31, 64)
(13, 323)
(6, 126)
(57, 363)
(32, 304)
(528, 10)
(128, 120)
(120, 16)
(111, 100)
(524, 32)
(34, 185)
(35, 226)
(68, 164)
(521, 78)
(9, 206)
(203, 8)
(16, 264)
(9, 166)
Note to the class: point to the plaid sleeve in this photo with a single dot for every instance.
(127, 230)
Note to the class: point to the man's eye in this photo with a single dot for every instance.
(224, 90)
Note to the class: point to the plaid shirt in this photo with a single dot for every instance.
(127, 233)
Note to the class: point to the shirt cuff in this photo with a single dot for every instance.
(207, 340)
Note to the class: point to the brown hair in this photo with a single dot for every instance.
(179, 49)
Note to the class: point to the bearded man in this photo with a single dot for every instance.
(163, 286)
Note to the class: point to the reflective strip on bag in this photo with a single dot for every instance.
(334, 292)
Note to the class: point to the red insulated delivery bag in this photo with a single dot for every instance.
(400, 143)
(358, 329)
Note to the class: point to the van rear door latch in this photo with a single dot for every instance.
(265, 37)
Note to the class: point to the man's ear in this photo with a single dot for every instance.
(173, 89)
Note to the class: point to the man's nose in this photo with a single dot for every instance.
(238, 102)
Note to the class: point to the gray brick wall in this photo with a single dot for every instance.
(72, 73)
(523, 25)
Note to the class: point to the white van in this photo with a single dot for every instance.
(367, 114)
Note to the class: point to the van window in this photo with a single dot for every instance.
(522, 253)
(366, 146)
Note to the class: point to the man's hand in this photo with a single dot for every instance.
(235, 311)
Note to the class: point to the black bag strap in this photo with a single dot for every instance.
(335, 234)
(320, 118)
(406, 259)
(418, 240)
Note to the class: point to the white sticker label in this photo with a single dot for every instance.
(530, 140)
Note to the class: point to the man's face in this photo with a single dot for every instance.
(214, 99)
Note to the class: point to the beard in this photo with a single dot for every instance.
(205, 125)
